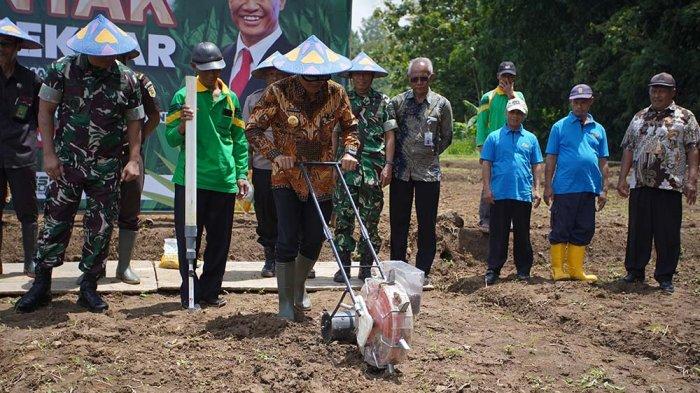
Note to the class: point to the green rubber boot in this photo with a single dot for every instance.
(302, 266)
(125, 249)
(285, 290)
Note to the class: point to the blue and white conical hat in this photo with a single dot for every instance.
(101, 37)
(265, 64)
(312, 57)
(364, 63)
(9, 29)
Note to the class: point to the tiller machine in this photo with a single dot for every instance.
(380, 318)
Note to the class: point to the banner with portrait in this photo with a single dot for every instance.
(167, 30)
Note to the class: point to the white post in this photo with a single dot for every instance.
(191, 185)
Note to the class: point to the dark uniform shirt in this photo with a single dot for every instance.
(19, 103)
(150, 105)
(148, 94)
(94, 106)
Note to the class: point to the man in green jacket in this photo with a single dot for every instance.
(492, 116)
(222, 168)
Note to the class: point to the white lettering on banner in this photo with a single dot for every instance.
(139, 61)
(159, 9)
(31, 28)
(23, 6)
(84, 9)
(57, 8)
(160, 47)
(58, 41)
(116, 10)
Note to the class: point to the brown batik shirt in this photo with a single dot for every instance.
(659, 141)
(302, 127)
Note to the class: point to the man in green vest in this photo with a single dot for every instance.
(222, 170)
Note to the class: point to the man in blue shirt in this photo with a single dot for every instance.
(509, 157)
(576, 173)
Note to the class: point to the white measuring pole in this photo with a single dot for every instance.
(191, 184)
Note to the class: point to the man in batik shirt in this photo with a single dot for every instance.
(661, 148)
(424, 120)
(302, 111)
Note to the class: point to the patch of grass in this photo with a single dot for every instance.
(596, 377)
(536, 383)
(461, 147)
(88, 367)
(264, 356)
(453, 353)
(508, 349)
(696, 370)
(658, 328)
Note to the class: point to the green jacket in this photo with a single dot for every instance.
(492, 113)
(222, 149)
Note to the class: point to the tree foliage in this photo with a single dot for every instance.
(614, 46)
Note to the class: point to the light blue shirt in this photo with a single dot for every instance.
(512, 154)
(578, 148)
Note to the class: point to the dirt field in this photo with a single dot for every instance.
(510, 337)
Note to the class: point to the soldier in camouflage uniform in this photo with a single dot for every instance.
(98, 99)
(373, 173)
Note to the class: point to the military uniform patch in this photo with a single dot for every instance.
(151, 90)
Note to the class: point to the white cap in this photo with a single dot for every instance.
(516, 104)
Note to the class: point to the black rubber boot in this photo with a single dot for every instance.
(39, 294)
(345, 260)
(268, 269)
(89, 298)
(29, 244)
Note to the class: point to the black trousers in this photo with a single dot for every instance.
(400, 203)
(215, 215)
(130, 200)
(299, 228)
(654, 214)
(503, 213)
(265, 210)
(22, 183)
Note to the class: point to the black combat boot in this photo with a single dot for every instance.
(365, 266)
(268, 269)
(345, 260)
(89, 298)
(39, 294)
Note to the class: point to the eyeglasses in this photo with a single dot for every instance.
(316, 78)
(417, 79)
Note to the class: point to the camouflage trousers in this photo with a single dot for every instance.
(369, 200)
(100, 182)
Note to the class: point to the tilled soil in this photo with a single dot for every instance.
(545, 336)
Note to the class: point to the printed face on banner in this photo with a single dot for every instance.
(255, 19)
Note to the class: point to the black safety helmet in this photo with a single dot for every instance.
(206, 56)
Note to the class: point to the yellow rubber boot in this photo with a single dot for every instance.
(558, 253)
(575, 256)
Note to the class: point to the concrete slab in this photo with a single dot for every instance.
(14, 282)
(245, 276)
